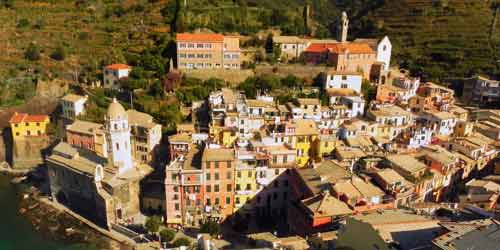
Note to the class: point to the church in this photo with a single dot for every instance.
(101, 187)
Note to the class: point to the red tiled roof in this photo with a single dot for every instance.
(17, 117)
(337, 48)
(23, 117)
(200, 37)
(118, 66)
(319, 47)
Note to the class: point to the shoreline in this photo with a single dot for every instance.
(57, 222)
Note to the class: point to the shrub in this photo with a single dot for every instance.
(59, 54)
(210, 227)
(32, 53)
(153, 224)
(23, 23)
(182, 242)
(167, 235)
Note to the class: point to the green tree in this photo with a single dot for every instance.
(59, 53)
(210, 227)
(153, 224)
(32, 53)
(182, 242)
(167, 235)
(23, 23)
(269, 45)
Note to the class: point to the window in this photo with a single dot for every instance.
(286, 183)
(117, 146)
(17, 133)
(275, 196)
(228, 175)
(182, 45)
(344, 77)
(343, 85)
(237, 200)
(276, 171)
(276, 184)
(176, 189)
(208, 188)
(176, 206)
(176, 197)
(16, 125)
(238, 187)
(38, 124)
(190, 55)
(238, 174)
(191, 45)
(199, 45)
(216, 188)
(216, 177)
(216, 164)
(208, 202)
(207, 176)
(182, 55)
(228, 200)
(275, 159)
(229, 188)
(208, 46)
(228, 165)
(249, 174)
(27, 124)
(200, 56)
(249, 187)
(217, 201)
(285, 195)
(258, 199)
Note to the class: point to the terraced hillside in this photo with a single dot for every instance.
(442, 38)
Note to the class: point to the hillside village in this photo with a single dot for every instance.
(360, 158)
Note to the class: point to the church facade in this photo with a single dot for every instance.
(102, 189)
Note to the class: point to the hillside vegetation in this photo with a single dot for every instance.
(73, 39)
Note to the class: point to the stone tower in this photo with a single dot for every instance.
(342, 28)
(118, 136)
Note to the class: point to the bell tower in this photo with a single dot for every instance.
(342, 28)
(118, 136)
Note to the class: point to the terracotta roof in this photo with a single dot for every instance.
(23, 117)
(337, 48)
(118, 66)
(324, 205)
(200, 37)
(319, 47)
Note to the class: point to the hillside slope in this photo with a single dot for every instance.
(440, 38)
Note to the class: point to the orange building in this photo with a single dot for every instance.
(218, 165)
(351, 57)
(208, 51)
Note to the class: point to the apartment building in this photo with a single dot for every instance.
(113, 73)
(73, 105)
(208, 51)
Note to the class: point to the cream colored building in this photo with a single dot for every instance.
(208, 51)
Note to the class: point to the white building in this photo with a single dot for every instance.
(441, 122)
(118, 135)
(355, 105)
(113, 73)
(384, 52)
(291, 46)
(420, 137)
(343, 80)
(73, 105)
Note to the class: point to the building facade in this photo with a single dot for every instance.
(208, 51)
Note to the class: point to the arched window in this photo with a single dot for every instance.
(117, 146)
(116, 126)
(385, 47)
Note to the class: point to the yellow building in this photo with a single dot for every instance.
(327, 144)
(464, 128)
(228, 136)
(24, 125)
(306, 133)
(245, 183)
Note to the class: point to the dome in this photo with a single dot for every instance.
(116, 110)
